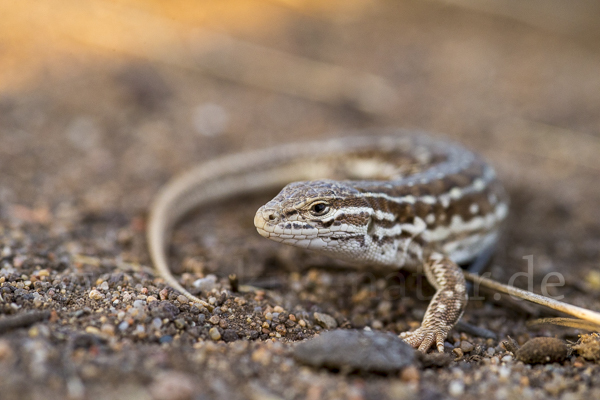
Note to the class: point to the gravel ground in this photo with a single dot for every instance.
(88, 136)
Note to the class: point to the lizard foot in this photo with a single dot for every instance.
(446, 306)
(425, 336)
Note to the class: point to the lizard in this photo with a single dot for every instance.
(393, 198)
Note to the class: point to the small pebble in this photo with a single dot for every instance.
(325, 320)
(214, 334)
(108, 329)
(377, 324)
(542, 350)
(139, 304)
(206, 284)
(93, 330)
(157, 323)
(96, 295)
(164, 294)
(214, 320)
(229, 335)
(507, 358)
(458, 352)
(436, 360)
(182, 299)
(491, 351)
(456, 388)
(466, 346)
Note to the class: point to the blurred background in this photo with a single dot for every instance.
(102, 101)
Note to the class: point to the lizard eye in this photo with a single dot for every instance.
(319, 209)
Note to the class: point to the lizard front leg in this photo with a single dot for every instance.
(446, 307)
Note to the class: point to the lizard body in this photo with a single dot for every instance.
(401, 200)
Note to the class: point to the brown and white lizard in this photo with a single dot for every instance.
(400, 200)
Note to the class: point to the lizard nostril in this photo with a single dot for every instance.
(269, 214)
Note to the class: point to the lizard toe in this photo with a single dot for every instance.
(424, 337)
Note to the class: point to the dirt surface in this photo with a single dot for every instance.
(99, 108)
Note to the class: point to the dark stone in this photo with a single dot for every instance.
(195, 331)
(194, 310)
(86, 340)
(115, 279)
(435, 359)
(180, 323)
(170, 330)
(229, 335)
(163, 309)
(80, 313)
(352, 350)
(6, 290)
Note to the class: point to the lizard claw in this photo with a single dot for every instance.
(424, 337)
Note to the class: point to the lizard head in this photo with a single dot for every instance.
(324, 215)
